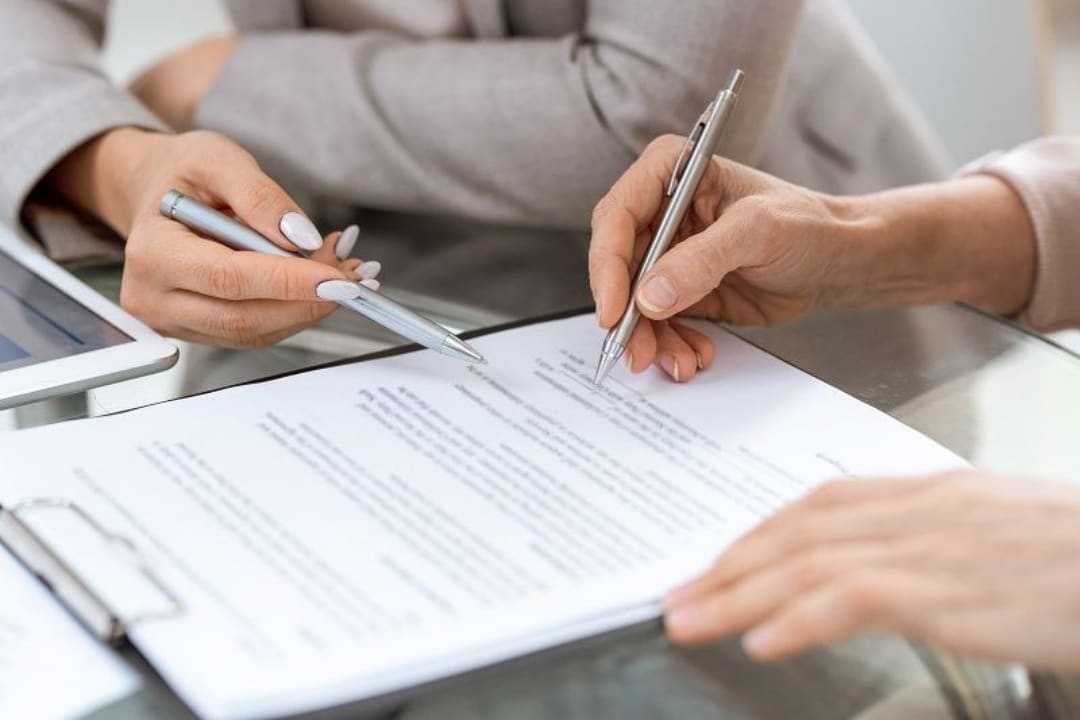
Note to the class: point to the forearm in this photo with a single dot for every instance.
(513, 130)
(967, 240)
(48, 50)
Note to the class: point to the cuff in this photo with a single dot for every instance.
(1046, 176)
(71, 107)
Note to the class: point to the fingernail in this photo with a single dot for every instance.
(346, 242)
(599, 312)
(684, 620)
(630, 361)
(671, 366)
(369, 270)
(658, 294)
(372, 284)
(300, 231)
(760, 640)
(700, 362)
(337, 290)
(678, 596)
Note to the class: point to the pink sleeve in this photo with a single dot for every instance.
(1046, 175)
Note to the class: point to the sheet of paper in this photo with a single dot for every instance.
(49, 666)
(359, 529)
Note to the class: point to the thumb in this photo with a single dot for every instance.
(691, 270)
(238, 182)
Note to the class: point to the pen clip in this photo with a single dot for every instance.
(687, 150)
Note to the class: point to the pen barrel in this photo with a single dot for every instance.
(680, 200)
(397, 318)
(677, 206)
(217, 225)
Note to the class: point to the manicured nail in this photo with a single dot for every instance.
(671, 366)
(372, 284)
(760, 640)
(369, 270)
(658, 294)
(346, 242)
(337, 290)
(300, 231)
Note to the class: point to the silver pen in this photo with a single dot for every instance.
(391, 315)
(699, 148)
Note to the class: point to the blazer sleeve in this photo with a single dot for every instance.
(515, 130)
(1046, 175)
(53, 94)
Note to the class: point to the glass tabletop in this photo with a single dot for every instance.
(997, 395)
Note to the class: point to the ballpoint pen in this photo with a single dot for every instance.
(698, 149)
(391, 315)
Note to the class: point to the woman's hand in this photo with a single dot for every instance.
(753, 250)
(971, 563)
(189, 287)
(756, 250)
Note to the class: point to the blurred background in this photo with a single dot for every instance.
(989, 74)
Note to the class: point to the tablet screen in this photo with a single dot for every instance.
(40, 323)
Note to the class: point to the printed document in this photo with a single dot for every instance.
(356, 530)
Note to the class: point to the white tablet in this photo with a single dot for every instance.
(57, 336)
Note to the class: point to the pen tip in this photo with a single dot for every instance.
(460, 349)
(607, 361)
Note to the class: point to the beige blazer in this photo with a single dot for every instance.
(500, 110)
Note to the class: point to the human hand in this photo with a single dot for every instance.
(971, 563)
(752, 250)
(174, 86)
(189, 287)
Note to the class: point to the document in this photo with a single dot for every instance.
(361, 529)
(49, 666)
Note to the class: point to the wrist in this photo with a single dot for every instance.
(965, 240)
(101, 177)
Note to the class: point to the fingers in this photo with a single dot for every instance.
(208, 268)
(619, 219)
(845, 512)
(888, 600)
(238, 324)
(674, 354)
(682, 351)
(734, 608)
(695, 267)
(234, 179)
(641, 350)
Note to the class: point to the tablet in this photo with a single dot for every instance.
(58, 336)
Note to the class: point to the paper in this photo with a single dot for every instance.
(356, 530)
(49, 666)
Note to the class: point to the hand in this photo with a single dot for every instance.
(753, 250)
(757, 250)
(174, 86)
(971, 563)
(189, 287)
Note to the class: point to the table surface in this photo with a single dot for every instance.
(994, 393)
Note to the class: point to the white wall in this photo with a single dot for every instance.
(141, 31)
(970, 64)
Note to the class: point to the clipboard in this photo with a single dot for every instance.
(72, 584)
(78, 587)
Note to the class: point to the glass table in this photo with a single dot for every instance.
(994, 393)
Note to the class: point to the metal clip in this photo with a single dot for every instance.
(687, 150)
(72, 588)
